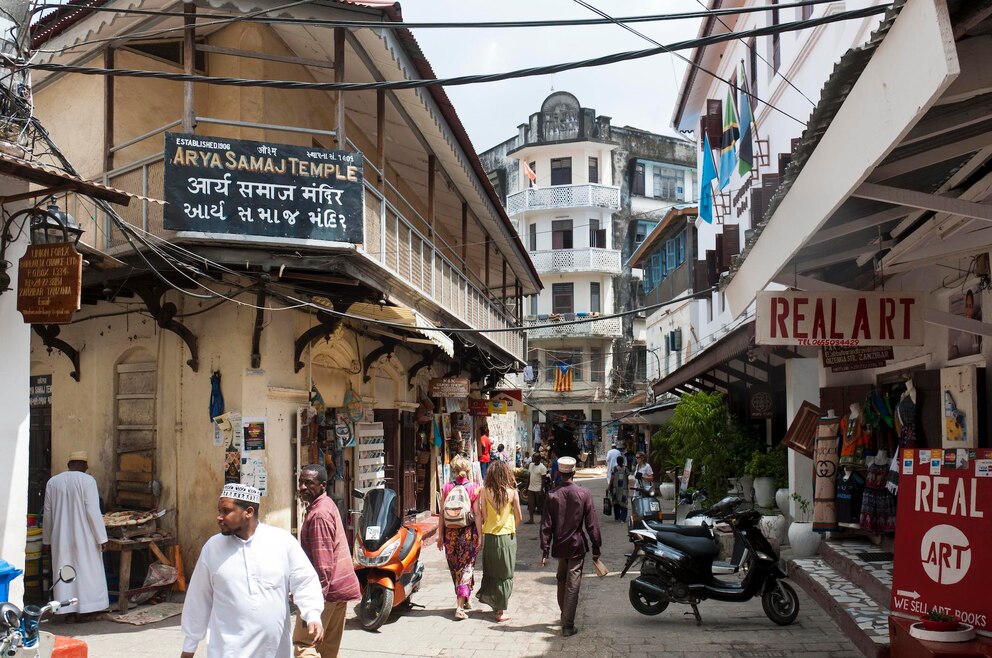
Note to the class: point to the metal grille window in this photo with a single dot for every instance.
(597, 239)
(562, 298)
(593, 170)
(561, 171)
(668, 184)
(595, 304)
(561, 234)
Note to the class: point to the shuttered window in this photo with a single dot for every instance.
(135, 439)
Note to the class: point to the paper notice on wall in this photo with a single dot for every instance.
(908, 462)
(253, 473)
(232, 466)
(983, 468)
(231, 429)
(254, 433)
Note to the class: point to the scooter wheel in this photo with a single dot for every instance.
(377, 603)
(646, 604)
(781, 603)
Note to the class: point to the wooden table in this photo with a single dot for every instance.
(125, 547)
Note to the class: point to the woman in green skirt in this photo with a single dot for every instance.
(497, 516)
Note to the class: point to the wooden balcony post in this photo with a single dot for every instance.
(518, 290)
(108, 111)
(464, 235)
(339, 36)
(502, 290)
(380, 137)
(489, 243)
(431, 182)
(189, 65)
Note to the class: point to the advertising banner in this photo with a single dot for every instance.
(218, 185)
(839, 319)
(942, 552)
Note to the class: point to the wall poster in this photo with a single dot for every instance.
(967, 304)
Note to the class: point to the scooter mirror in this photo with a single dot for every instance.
(10, 616)
(357, 493)
(67, 574)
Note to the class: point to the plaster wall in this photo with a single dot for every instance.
(580, 226)
(581, 294)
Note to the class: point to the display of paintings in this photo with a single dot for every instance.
(967, 304)
(446, 426)
(959, 401)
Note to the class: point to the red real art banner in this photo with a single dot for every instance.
(944, 526)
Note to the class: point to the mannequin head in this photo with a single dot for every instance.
(855, 411)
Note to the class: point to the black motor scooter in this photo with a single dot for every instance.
(677, 566)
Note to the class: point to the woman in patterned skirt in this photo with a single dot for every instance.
(460, 544)
(878, 506)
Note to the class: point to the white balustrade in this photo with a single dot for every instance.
(605, 328)
(564, 196)
(577, 260)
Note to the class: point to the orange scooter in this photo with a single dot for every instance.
(387, 557)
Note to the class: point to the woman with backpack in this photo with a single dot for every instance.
(497, 515)
(458, 534)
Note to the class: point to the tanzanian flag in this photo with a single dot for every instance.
(745, 154)
(706, 182)
(728, 142)
(563, 377)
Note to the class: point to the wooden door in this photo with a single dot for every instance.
(408, 459)
(390, 419)
(135, 438)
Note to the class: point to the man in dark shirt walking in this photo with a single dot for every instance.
(323, 540)
(568, 526)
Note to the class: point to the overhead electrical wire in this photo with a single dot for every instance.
(458, 80)
(429, 25)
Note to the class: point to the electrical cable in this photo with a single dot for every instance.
(396, 25)
(459, 80)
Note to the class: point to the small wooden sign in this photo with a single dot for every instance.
(49, 283)
(449, 387)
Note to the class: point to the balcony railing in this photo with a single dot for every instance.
(577, 260)
(392, 241)
(564, 196)
(606, 328)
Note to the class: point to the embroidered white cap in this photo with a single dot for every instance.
(566, 464)
(241, 492)
(79, 456)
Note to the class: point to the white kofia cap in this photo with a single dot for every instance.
(241, 492)
(566, 464)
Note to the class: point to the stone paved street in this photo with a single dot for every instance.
(608, 625)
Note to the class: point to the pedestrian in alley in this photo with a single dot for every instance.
(240, 587)
(535, 485)
(643, 470)
(485, 448)
(497, 516)
(74, 528)
(458, 535)
(325, 543)
(611, 459)
(617, 485)
(569, 526)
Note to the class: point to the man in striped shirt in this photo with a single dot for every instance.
(323, 540)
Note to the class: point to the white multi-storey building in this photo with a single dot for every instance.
(583, 194)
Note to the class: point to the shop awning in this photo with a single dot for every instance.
(726, 349)
(57, 181)
(872, 136)
(405, 316)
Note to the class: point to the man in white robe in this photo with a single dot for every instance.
(73, 526)
(240, 586)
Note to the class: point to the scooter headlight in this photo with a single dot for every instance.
(381, 558)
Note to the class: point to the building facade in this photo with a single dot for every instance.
(327, 342)
(582, 194)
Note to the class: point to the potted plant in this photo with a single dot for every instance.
(940, 621)
(743, 444)
(768, 469)
(804, 542)
(662, 455)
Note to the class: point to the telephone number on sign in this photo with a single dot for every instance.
(829, 342)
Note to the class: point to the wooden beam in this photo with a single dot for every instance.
(975, 78)
(902, 197)
(947, 118)
(254, 54)
(855, 225)
(734, 372)
(464, 234)
(380, 137)
(431, 171)
(189, 65)
(941, 149)
(519, 289)
(486, 277)
(503, 287)
(108, 111)
(339, 37)
(968, 17)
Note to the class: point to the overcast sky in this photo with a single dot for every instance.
(638, 93)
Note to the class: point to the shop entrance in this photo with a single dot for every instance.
(40, 451)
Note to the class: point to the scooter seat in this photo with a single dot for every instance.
(684, 530)
(692, 546)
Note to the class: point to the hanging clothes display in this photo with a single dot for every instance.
(854, 441)
(878, 506)
(850, 489)
(825, 468)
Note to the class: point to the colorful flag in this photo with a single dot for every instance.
(745, 154)
(563, 377)
(529, 173)
(706, 182)
(728, 141)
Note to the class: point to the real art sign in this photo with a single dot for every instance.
(839, 319)
(944, 521)
(217, 185)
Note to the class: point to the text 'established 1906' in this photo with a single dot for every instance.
(215, 185)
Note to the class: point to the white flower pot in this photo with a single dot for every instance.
(782, 501)
(733, 486)
(773, 527)
(667, 490)
(747, 486)
(764, 491)
(802, 539)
